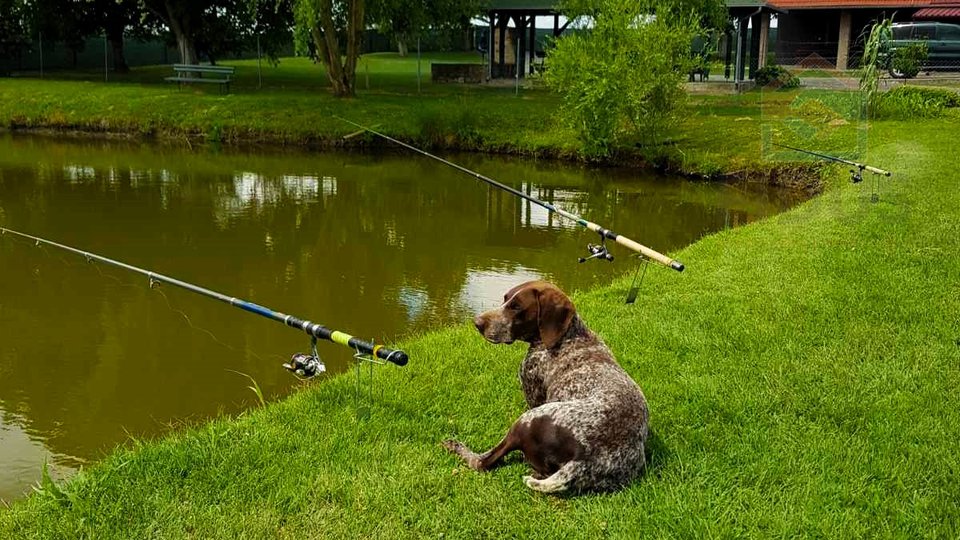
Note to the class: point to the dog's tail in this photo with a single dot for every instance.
(562, 480)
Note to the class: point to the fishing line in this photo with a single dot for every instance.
(306, 365)
(51, 255)
(598, 251)
(203, 330)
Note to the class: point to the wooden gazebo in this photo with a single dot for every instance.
(510, 53)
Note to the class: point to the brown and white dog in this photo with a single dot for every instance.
(586, 424)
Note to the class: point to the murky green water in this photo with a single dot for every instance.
(376, 245)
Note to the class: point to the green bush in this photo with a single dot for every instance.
(621, 78)
(777, 77)
(907, 102)
(907, 61)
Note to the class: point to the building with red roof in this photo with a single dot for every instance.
(823, 33)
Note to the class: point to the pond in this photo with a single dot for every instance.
(378, 245)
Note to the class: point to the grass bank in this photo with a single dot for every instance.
(717, 136)
(293, 106)
(803, 375)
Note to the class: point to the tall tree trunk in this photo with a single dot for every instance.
(340, 70)
(402, 46)
(354, 42)
(119, 58)
(115, 37)
(180, 25)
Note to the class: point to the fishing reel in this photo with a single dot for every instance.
(597, 251)
(307, 366)
(856, 175)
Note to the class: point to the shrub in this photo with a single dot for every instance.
(777, 77)
(907, 61)
(623, 76)
(907, 102)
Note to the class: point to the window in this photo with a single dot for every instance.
(901, 32)
(924, 31)
(949, 32)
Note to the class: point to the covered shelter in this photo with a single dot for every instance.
(515, 53)
(746, 14)
(831, 29)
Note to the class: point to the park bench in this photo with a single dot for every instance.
(189, 73)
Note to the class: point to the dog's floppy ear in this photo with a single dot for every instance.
(555, 313)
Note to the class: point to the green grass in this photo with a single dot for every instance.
(293, 107)
(802, 374)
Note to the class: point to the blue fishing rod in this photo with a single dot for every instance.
(302, 364)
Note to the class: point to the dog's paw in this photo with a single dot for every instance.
(453, 446)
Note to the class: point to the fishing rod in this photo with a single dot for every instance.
(857, 174)
(302, 364)
(598, 251)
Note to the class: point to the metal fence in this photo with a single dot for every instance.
(96, 53)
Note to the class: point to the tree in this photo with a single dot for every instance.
(324, 23)
(113, 19)
(13, 29)
(404, 20)
(182, 17)
(215, 28)
(625, 74)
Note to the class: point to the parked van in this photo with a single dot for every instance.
(943, 44)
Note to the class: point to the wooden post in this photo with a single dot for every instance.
(728, 36)
(739, 71)
(843, 43)
(533, 41)
(764, 37)
(493, 28)
(520, 34)
(754, 45)
(503, 45)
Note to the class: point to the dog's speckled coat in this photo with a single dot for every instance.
(587, 423)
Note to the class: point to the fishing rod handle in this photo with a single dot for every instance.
(875, 170)
(319, 331)
(649, 253)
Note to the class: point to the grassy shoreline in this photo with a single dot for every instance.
(294, 109)
(802, 375)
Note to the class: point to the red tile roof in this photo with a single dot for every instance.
(938, 13)
(841, 4)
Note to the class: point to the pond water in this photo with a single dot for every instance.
(376, 245)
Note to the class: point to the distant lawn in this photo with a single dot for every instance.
(386, 72)
(714, 135)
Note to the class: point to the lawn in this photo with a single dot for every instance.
(294, 107)
(802, 373)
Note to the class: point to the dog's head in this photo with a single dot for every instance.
(535, 312)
